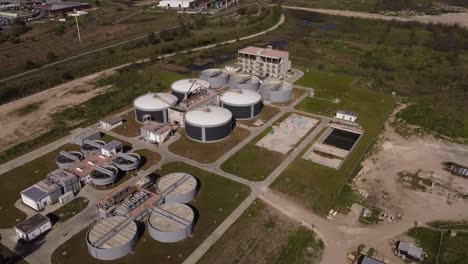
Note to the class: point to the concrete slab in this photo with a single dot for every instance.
(288, 133)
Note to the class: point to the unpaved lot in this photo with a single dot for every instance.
(28, 117)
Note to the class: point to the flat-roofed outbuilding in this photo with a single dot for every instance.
(33, 227)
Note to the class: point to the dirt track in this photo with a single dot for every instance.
(449, 19)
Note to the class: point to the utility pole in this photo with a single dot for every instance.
(78, 28)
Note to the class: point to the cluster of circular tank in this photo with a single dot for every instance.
(208, 124)
(243, 104)
(155, 105)
(184, 87)
(173, 221)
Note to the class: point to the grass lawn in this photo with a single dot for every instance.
(452, 250)
(148, 158)
(216, 199)
(317, 186)
(20, 178)
(263, 235)
(71, 208)
(267, 113)
(9, 257)
(130, 127)
(207, 152)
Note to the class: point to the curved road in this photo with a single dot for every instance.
(449, 18)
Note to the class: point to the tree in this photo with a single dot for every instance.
(59, 29)
(51, 56)
(17, 28)
(152, 40)
(97, 3)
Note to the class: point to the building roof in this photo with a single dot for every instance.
(347, 113)
(412, 250)
(112, 145)
(32, 223)
(112, 120)
(34, 193)
(60, 175)
(55, 6)
(208, 116)
(277, 54)
(156, 128)
(369, 260)
(85, 167)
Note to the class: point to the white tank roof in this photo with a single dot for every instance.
(170, 179)
(183, 86)
(279, 85)
(117, 239)
(155, 101)
(208, 116)
(177, 216)
(241, 97)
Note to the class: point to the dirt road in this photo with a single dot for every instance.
(449, 19)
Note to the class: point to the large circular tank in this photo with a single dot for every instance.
(104, 177)
(104, 244)
(185, 190)
(92, 147)
(127, 161)
(188, 86)
(216, 77)
(170, 223)
(155, 105)
(276, 91)
(65, 159)
(244, 104)
(244, 82)
(208, 124)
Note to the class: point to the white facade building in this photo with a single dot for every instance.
(155, 132)
(111, 122)
(41, 194)
(33, 227)
(264, 62)
(176, 3)
(347, 116)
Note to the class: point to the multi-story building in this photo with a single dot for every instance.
(264, 62)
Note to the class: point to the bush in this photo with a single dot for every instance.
(17, 28)
(59, 29)
(51, 56)
(30, 65)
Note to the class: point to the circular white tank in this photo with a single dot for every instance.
(276, 91)
(169, 223)
(244, 104)
(216, 77)
(88, 149)
(128, 161)
(185, 86)
(105, 245)
(244, 82)
(155, 105)
(183, 193)
(208, 124)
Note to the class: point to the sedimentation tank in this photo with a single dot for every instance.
(91, 146)
(244, 82)
(65, 159)
(276, 91)
(127, 161)
(112, 238)
(243, 104)
(155, 105)
(216, 77)
(170, 223)
(208, 124)
(177, 187)
(188, 86)
(102, 176)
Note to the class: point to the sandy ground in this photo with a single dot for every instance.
(17, 128)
